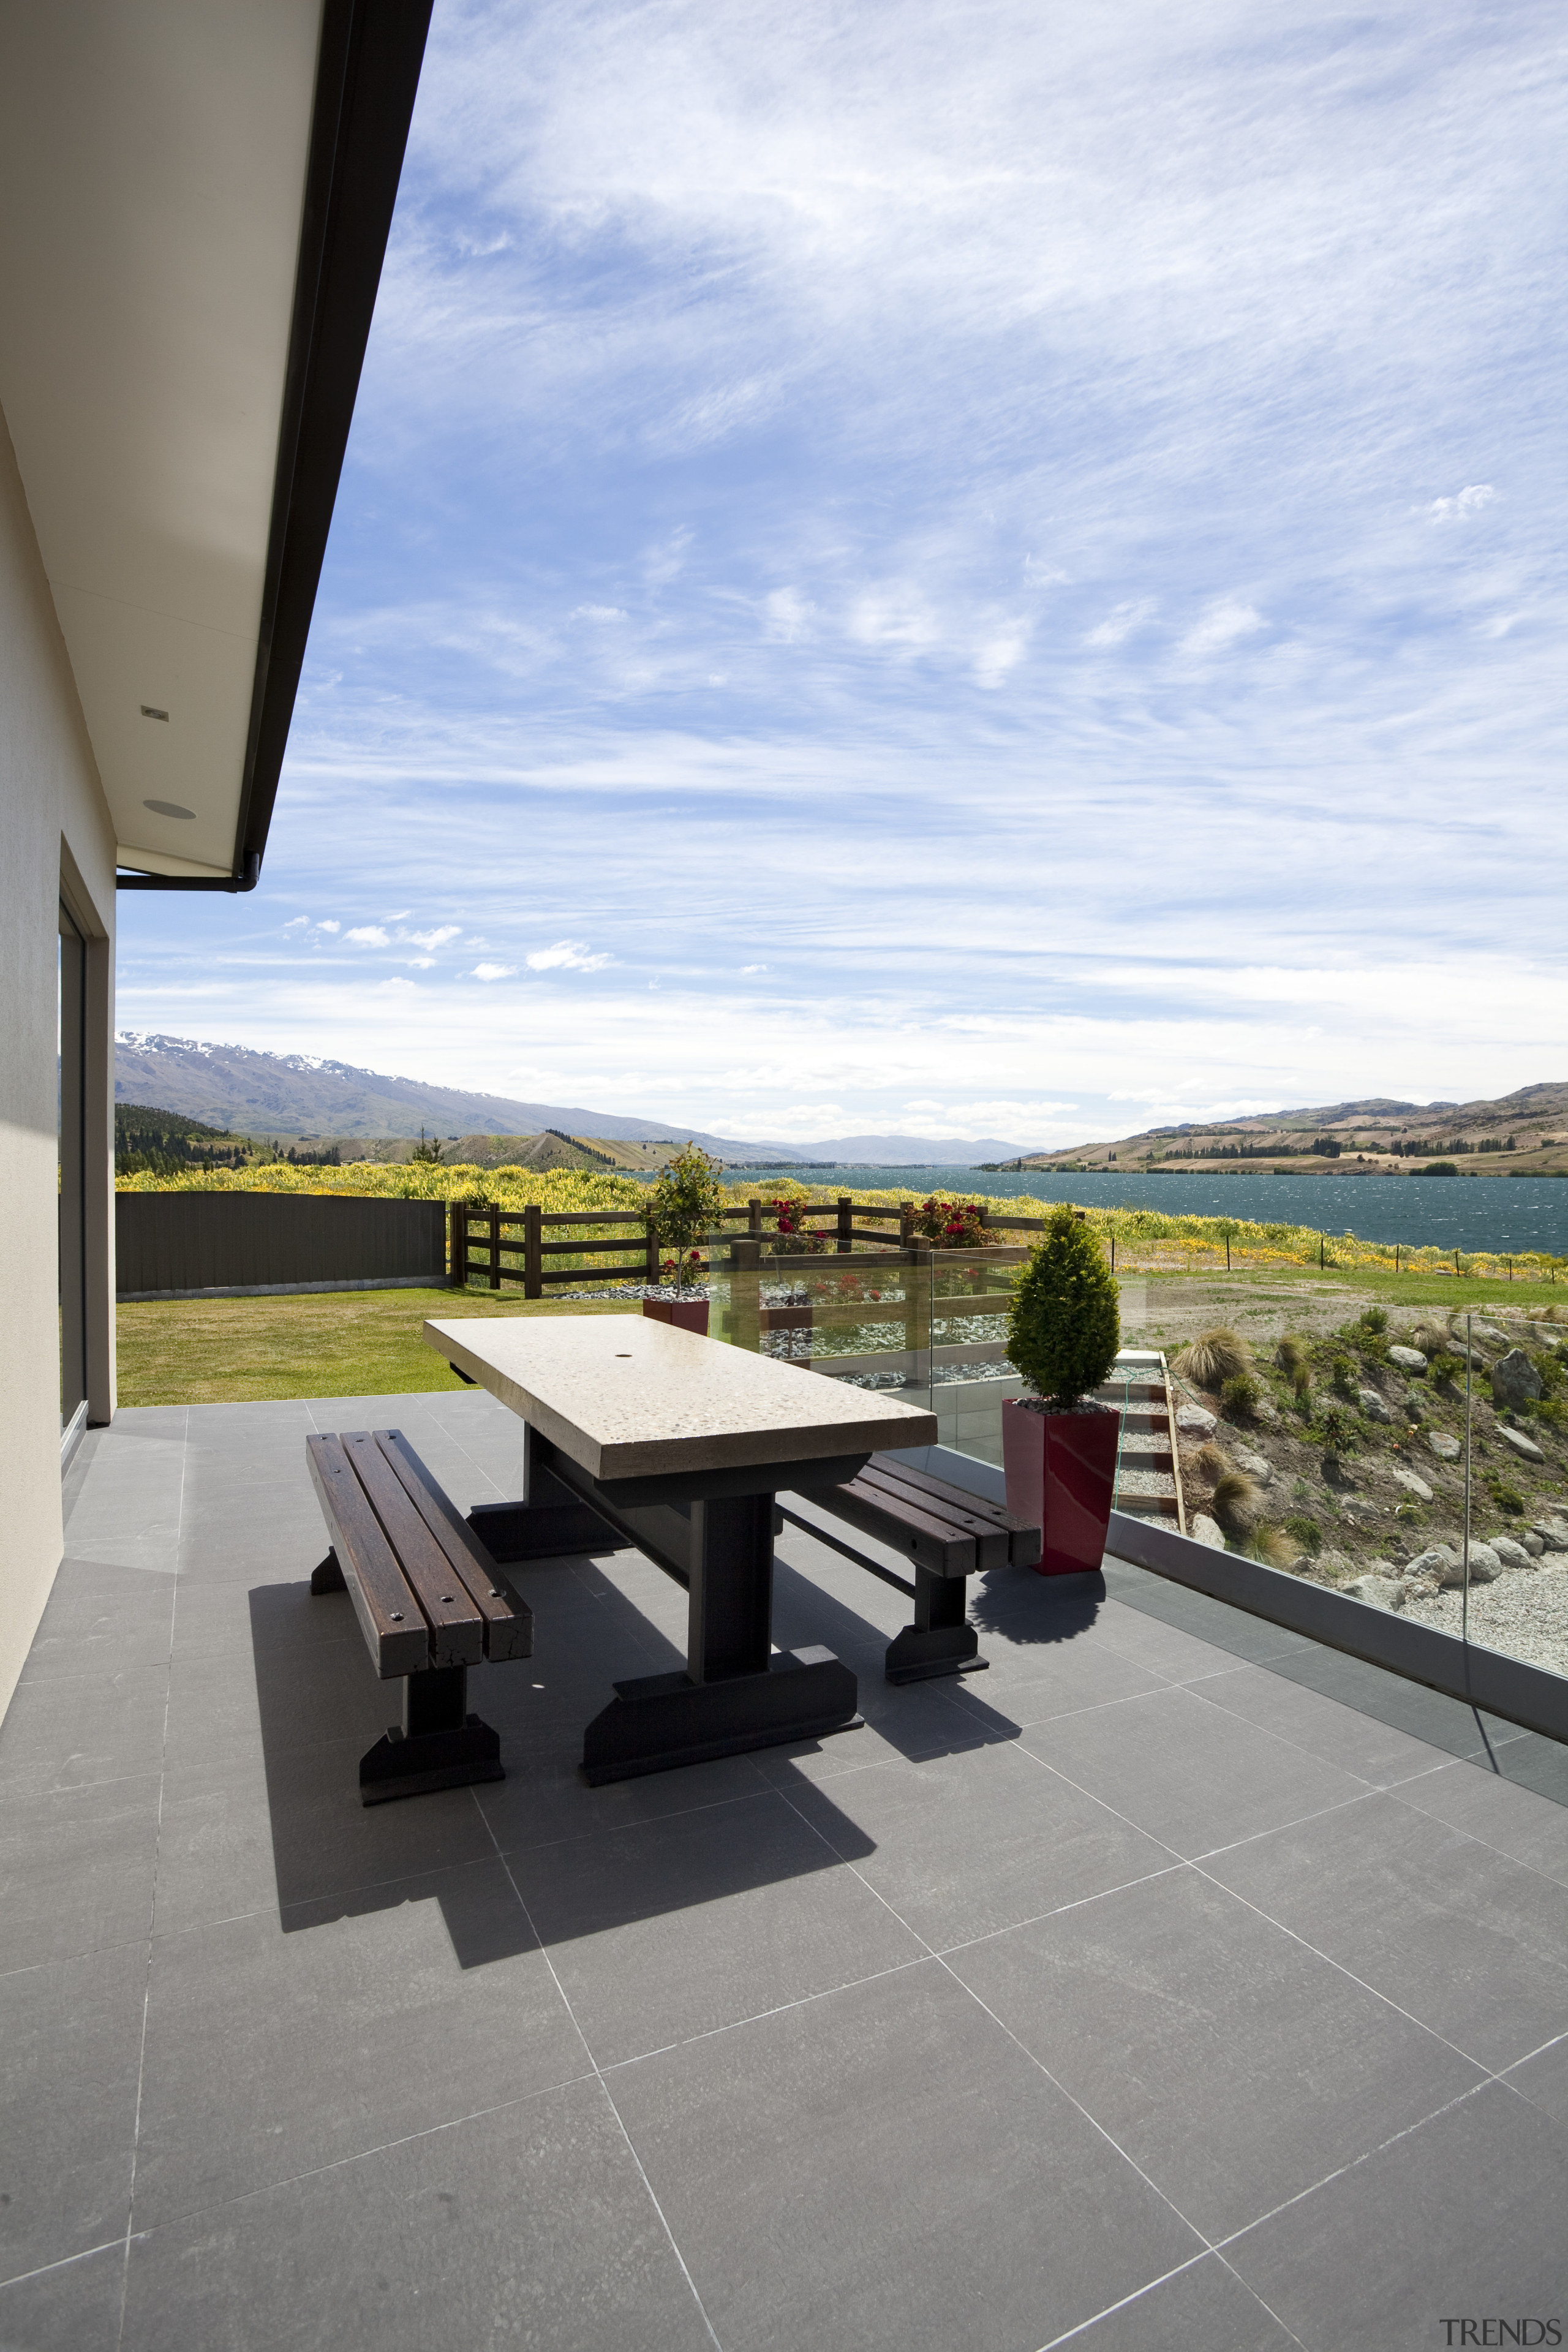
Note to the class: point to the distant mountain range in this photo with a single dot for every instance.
(1526, 1131)
(253, 1093)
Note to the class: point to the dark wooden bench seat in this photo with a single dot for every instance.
(430, 1601)
(948, 1533)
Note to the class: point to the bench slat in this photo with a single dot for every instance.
(991, 1542)
(508, 1621)
(931, 1543)
(1023, 1538)
(390, 1617)
(457, 1629)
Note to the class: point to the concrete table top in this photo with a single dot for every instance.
(624, 1397)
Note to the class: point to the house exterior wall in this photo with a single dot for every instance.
(56, 842)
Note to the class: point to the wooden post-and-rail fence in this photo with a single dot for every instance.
(495, 1245)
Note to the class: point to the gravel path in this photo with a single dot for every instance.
(1525, 1614)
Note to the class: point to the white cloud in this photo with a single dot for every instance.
(749, 970)
(1121, 622)
(595, 613)
(1001, 654)
(431, 941)
(421, 963)
(1468, 502)
(1224, 624)
(493, 971)
(368, 935)
(300, 923)
(567, 955)
(788, 616)
(329, 927)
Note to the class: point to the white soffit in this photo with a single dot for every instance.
(153, 160)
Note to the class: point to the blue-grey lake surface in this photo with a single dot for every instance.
(1464, 1213)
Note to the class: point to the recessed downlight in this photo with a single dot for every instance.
(167, 808)
(147, 713)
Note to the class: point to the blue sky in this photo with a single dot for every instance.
(977, 571)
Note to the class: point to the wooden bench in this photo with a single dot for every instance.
(948, 1533)
(430, 1601)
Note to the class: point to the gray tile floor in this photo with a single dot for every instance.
(1174, 1983)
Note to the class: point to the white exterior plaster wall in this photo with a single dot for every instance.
(56, 840)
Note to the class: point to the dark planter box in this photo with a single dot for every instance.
(686, 1313)
(1061, 1473)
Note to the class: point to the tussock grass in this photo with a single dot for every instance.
(1238, 1502)
(1215, 1357)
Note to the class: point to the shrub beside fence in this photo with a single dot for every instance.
(169, 1244)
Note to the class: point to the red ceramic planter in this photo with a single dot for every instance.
(1061, 1473)
(686, 1313)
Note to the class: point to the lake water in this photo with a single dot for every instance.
(1464, 1213)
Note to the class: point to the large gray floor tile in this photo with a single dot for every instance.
(100, 1618)
(544, 1797)
(1204, 2309)
(72, 2307)
(1474, 1945)
(1426, 1715)
(1529, 1828)
(1232, 2065)
(68, 1734)
(1060, 1679)
(244, 1835)
(1463, 2217)
(677, 1927)
(529, 2227)
(281, 1696)
(886, 2168)
(1188, 1772)
(969, 1844)
(1377, 1752)
(76, 1870)
(1171, 1649)
(276, 2046)
(71, 2037)
(1543, 2079)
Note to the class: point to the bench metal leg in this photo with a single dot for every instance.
(438, 1744)
(942, 1640)
(327, 1576)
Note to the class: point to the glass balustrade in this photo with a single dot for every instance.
(1320, 1425)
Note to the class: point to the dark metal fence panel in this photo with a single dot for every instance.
(241, 1240)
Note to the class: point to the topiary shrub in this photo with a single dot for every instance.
(1064, 1326)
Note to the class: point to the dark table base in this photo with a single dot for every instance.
(713, 1533)
(658, 1721)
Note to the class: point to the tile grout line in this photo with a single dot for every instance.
(1163, 2280)
(153, 1900)
(599, 2076)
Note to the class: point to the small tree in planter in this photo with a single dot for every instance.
(1058, 1445)
(686, 1203)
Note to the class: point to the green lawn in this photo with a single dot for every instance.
(325, 1343)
